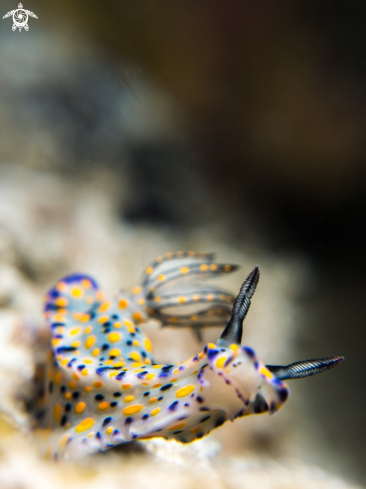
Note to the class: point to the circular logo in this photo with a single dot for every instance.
(20, 17)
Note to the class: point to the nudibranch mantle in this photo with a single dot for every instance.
(101, 387)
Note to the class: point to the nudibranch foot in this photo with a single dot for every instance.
(101, 387)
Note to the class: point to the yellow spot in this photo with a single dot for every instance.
(95, 352)
(61, 302)
(157, 299)
(147, 361)
(100, 296)
(136, 342)
(149, 376)
(86, 283)
(155, 411)
(141, 301)
(114, 337)
(103, 405)
(234, 347)
(182, 299)
(128, 398)
(123, 303)
(84, 425)
(72, 384)
(89, 435)
(75, 376)
(68, 395)
(80, 407)
(113, 374)
(75, 331)
(149, 270)
(57, 412)
(59, 318)
(211, 346)
(210, 297)
(220, 362)
(203, 267)
(75, 344)
(104, 306)
(152, 399)
(136, 356)
(88, 329)
(57, 378)
(63, 441)
(119, 364)
(109, 430)
(161, 277)
(157, 366)
(128, 323)
(195, 430)
(213, 266)
(135, 408)
(86, 360)
(85, 372)
(148, 344)
(117, 324)
(108, 362)
(103, 319)
(184, 270)
(125, 386)
(56, 341)
(97, 384)
(88, 388)
(137, 364)
(264, 371)
(64, 361)
(201, 355)
(136, 290)
(89, 342)
(77, 292)
(185, 391)
(194, 317)
(115, 352)
(177, 426)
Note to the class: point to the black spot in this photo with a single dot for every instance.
(112, 357)
(141, 375)
(219, 422)
(283, 395)
(114, 316)
(186, 404)
(114, 404)
(249, 351)
(272, 407)
(75, 395)
(105, 347)
(63, 389)
(120, 375)
(173, 406)
(145, 416)
(182, 417)
(80, 367)
(166, 387)
(99, 397)
(98, 435)
(129, 343)
(205, 419)
(146, 394)
(117, 394)
(160, 398)
(102, 359)
(143, 354)
(199, 435)
(129, 421)
(204, 409)
(62, 349)
(199, 399)
(68, 407)
(132, 334)
(107, 421)
(50, 387)
(115, 432)
(63, 420)
(107, 324)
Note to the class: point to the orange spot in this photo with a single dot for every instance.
(177, 426)
(86, 283)
(103, 406)
(155, 411)
(84, 425)
(169, 255)
(185, 391)
(88, 388)
(97, 384)
(61, 286)
(149, 270)
(56, 341)
(194, 317)
(203, 267)
(161, 277)
(57, 378)
(61, 302)
(72, 384)
(196, 297)
(157, 299)
(152, 399)
(184, 270)
(68, 395)
(80, 407)
(57, 412)
(135, 408)
(125, 386)
(213, 266)
(156, 385)
(227, 268)
(63, 441)
(136, 290)
(123, 303)
(137, 316)
(195, 430)
(210, 297)
(141, 301)
(75, 344)
(100, 296)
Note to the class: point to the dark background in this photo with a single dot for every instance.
(271, 101)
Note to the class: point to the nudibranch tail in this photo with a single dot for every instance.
(299, 370)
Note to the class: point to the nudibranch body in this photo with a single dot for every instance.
(101, 387)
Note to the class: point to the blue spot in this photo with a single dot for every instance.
(107, 421)
(212, 353)
(129, 421)
(173, 406)
(166, 387)
(62, 349)
(249, 351)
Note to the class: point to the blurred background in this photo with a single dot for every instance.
(133, 128)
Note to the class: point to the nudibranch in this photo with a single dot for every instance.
(101, 387)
